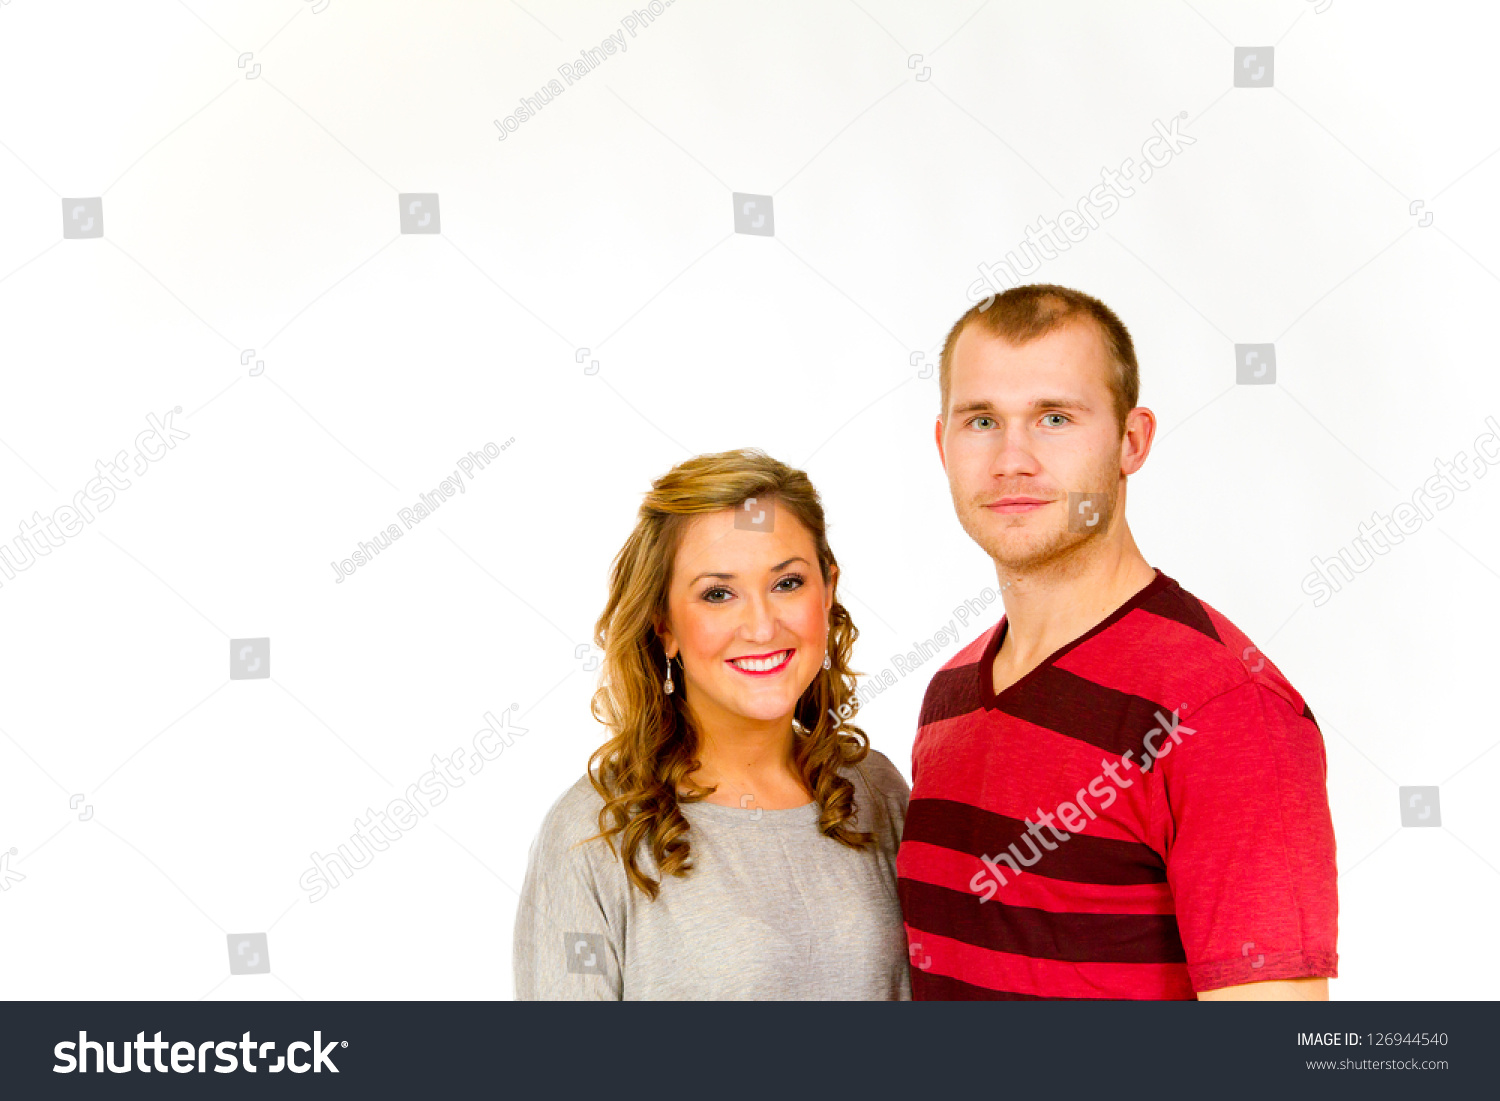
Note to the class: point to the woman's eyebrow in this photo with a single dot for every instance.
(732, 576)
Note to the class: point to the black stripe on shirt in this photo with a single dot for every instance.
(1040, 934)
(965, 828)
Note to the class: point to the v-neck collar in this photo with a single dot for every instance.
(986, 665)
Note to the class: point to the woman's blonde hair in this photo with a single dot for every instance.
(654, 743)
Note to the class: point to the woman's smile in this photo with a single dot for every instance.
(762, 665)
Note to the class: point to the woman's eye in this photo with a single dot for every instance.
(793, 577)
(716, 589)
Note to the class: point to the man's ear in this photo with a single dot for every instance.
(942, 458)
(1135, 444)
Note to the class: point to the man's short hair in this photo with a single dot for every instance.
(1023, 314)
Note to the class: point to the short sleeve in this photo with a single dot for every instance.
(1242, 810)
(566, 948)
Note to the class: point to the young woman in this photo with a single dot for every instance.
(734, 838)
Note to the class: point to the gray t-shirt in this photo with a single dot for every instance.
(771, 910)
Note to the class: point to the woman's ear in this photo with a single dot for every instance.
(666, 638)
(833, 580)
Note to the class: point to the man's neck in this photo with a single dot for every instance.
(1047, 608)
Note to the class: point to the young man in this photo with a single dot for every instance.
(1115, 794)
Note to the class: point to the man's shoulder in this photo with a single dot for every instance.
(954, 688)
(971, 653)
(1191, 652)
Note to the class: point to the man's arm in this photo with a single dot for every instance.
(1251, 859)
(1277, 990)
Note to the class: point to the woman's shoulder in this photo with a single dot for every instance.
(573, 816)
(883, 776)
(881, 794)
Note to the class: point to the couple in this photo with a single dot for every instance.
(1115, 794)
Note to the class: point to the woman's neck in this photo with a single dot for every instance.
(750, 765)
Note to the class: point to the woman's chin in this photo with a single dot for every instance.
(750, 699)
(764, 708)
(766, 714)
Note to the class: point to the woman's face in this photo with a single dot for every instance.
(747, 614)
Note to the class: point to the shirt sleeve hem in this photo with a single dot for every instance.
(1263, 967)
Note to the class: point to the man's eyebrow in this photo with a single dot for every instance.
(732, 576)
(979, 405)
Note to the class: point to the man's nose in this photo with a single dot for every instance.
(1013, 452)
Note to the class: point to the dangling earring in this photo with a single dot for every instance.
(827, 663)
(669, 687)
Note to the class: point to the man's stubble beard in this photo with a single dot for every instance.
(1044, 550)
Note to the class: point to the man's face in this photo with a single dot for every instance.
(1025, 426)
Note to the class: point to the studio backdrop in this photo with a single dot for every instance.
(341, 340)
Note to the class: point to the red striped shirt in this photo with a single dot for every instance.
(1143, 815)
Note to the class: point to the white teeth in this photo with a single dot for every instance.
(760, 665)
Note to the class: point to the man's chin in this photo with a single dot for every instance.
(1005, 544)
(1021, 556)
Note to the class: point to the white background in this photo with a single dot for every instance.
(261, 213)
